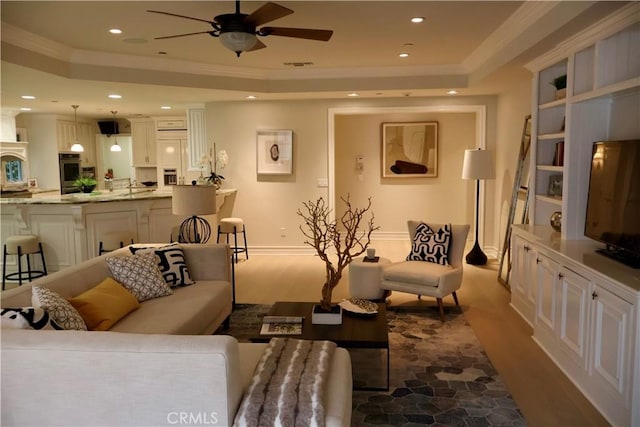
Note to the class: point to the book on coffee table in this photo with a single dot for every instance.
(281, 325)
(281, 329)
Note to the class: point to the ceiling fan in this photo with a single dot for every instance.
(238, 31)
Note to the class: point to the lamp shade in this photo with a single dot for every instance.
(193, 200)
(478, 164)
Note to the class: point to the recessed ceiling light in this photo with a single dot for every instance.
(25, 109)
(115, 96)
(404, 55)
(28, 97)
(115, 31)
(165, 107)
(417, 19)
(251, 97)
(452, 92)
(353, 94)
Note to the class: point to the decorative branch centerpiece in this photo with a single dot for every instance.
(342, 237)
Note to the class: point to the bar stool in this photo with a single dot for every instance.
(234, 226)
(114, 240)
(26, 244)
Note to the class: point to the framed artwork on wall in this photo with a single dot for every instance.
(274, 152)
(410, 150)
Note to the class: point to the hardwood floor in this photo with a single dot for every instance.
(544, 394)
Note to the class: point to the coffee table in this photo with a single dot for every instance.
(357, 331)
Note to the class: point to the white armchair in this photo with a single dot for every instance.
(428, 278)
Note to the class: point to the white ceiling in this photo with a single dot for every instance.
(62, 53)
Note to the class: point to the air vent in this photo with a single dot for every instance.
(298, 64)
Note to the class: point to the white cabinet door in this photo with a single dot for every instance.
(547, 301)
(573, 323)
(523, 285)
(86, 136)
(611, 350)
(143, 143)
(65, 134)
(170, 154)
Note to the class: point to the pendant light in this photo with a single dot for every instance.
(115, 147)
(76, 147)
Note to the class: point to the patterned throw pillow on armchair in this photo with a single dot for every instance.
(429, 245)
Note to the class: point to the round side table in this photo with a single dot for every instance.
(365, 277)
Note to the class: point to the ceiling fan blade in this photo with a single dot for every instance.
(258, 45)
(267, 13)
(299, 33)
(183, 16)
(183, 35)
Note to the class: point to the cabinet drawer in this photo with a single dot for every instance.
(171, 124)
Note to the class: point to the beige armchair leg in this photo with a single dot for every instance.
(441, 308)
(455, 298)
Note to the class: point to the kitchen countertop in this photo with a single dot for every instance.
(96, 197)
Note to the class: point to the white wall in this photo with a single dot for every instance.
(43, 148)
(395, 200)
(269, 204)
(513, 106)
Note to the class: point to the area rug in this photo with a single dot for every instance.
(439, 373)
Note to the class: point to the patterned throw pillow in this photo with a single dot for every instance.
(431, 246)
(172, 264)
(27, 318)
(60, 310)
(140, 275)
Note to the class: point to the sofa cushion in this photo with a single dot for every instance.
(140, 275)
(417, 272)
(190, 310)
(60, 310)
(27, 318)
(172, 264)
(431, 246)
(101, 307)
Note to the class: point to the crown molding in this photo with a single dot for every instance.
(35, 43)
(522, 19)
(611, 24)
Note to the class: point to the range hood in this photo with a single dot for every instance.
(8, 127)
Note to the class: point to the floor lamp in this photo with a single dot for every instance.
(478, 164)
(194, 200)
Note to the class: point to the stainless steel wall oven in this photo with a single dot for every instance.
(69, 171)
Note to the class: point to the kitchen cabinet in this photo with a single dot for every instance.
(172, 160)
(586, 317)
(65, 134)
(87, 137)
(143, 140)
(66, 137)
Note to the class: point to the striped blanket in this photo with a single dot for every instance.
(288, 385)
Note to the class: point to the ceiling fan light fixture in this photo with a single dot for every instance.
(238, 41)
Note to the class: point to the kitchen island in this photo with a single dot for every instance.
(71, 226)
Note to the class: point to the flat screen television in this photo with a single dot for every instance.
(613, 204)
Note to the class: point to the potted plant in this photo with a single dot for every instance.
(344, 238)
(85, 184)
(221, 159)
(560, 83)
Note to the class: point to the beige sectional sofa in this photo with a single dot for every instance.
(156, 366)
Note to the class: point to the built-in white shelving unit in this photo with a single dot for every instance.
(602, 102)
(584, 307)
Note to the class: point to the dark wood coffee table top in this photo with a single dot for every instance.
(356, 330)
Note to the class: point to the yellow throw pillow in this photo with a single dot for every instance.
(101, 307)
